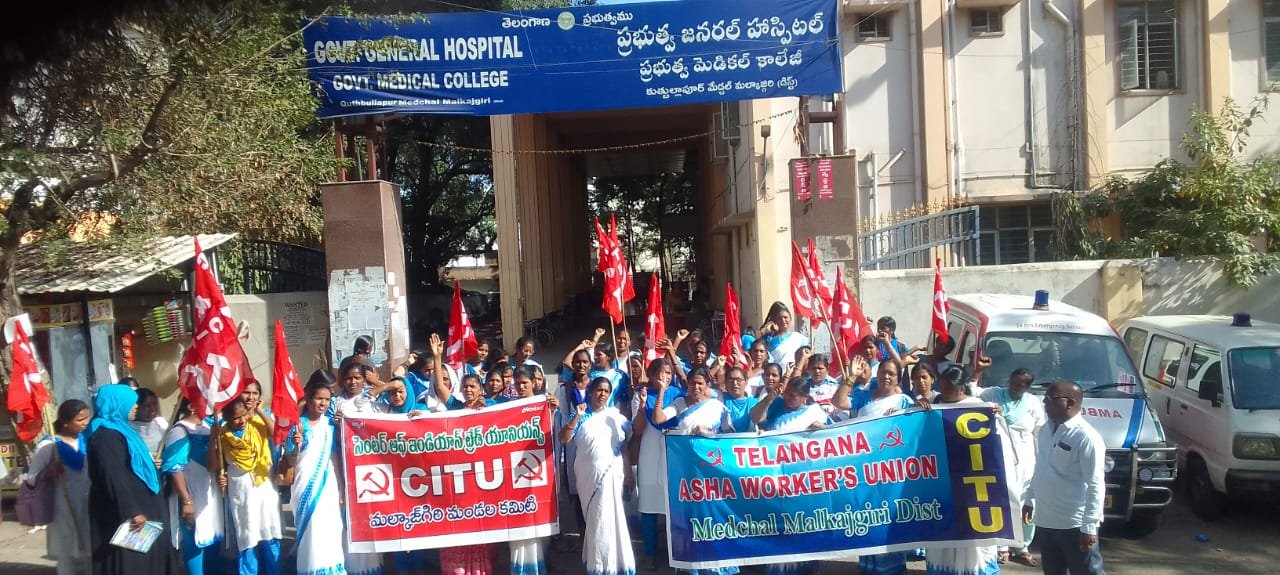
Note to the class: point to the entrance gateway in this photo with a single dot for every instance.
(561, 87)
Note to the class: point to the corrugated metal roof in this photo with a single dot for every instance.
(95, 269)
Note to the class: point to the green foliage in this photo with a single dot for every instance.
(643, 204)
(177, 119)
(1219, 204)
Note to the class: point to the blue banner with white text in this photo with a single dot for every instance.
(568, 59)
(918, 479)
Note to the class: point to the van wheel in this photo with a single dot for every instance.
(1206, 502)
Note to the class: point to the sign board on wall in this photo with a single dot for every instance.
(57, 315)
(568, 59)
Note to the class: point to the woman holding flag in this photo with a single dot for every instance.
(195, 502)
(244, 469)
(599, 432)
(779, 338)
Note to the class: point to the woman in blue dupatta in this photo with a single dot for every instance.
(117, 496)
(60, 461)
(315, 491)
(779, 337)
(651, 474)
(737, 403)
(599, 433)
(796, 411)
(701, 414)
(195, 501)
(527, 555)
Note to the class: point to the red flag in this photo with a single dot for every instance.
(214, 368)
(656, 324)
(628, 285)
(731, 344)
(462, 339)
(940, 305)
(801, 290)
(614, 281)
(849, 324)
(286, 389)
(27, 393)
(819, 280)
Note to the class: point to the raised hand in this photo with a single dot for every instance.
(437, 346)
(599, 333)
(682, 334)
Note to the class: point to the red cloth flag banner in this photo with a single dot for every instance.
(940, 306)
(286, 388)
(820, 287)
(655, 323)
(614, 283)
(628, 285)
(801, 285)
(462, 339)
(449, 479)
(848, 323)
(27, 393)
(215, 367)
(731, 343)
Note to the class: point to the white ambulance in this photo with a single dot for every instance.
(1058, 341)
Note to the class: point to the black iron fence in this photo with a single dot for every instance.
(273, 267)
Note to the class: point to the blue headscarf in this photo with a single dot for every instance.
(410, 399)
(111, 411)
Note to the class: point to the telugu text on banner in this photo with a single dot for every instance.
(920, 479)
(448, 479)
(572, 59)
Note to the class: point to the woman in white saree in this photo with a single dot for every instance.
(599, 433)
(316, 512)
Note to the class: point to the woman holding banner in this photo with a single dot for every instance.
(696, 413)
(795, 412)
(953, 390)
(526, 554)
(781, 341)
(1024, 414)
(467, 558)
(317, 513)
(599, 432)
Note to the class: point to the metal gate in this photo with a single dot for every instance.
(915, 242)
(272, 267)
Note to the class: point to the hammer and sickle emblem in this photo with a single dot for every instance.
(892, 439)
(378, 489)
(714, 459)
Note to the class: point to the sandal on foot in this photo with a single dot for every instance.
(1003, 557)
(1026, 559)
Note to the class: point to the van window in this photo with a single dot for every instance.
(1162, 352)
(964, 351)
(1255, 372)
(1206, 365)
(1134, 340)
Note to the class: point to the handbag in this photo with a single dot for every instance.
(35, 504)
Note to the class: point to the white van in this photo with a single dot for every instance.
(1058, 341)
(1228, 436)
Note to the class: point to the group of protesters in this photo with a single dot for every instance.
(215, 482)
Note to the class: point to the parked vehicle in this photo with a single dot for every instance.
(1215, 383)
(1060, 341)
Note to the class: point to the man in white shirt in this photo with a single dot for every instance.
(1068, 487)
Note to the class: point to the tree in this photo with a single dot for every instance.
(1219, 204)
(173, 118)
(644, 204)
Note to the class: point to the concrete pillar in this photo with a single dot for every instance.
(502, 131)
(366, 269)
(1098, 75)
(934, 99)
(1121, 291)
(1217, 55)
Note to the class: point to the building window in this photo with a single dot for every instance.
(1016, 234)
(984, 23)
(1271, 40)
(1148, 45)
(874, 28)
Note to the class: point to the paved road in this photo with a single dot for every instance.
(1245, 542)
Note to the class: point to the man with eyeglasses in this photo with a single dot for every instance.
(1067, 489)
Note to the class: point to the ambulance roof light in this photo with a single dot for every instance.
(1042, 300)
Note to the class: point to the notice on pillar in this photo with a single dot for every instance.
(826, 183)
(571, 59)
(800, 179)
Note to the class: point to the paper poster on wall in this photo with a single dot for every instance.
(358, 306)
